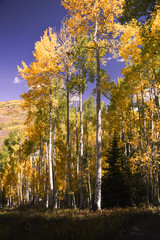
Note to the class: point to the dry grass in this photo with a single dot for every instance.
(12, 117)
(67, 224)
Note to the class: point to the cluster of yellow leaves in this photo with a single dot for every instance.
(95, 17)
(46, 57)
(130, 42)
(155, 28)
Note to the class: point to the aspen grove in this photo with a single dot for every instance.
(85, 153)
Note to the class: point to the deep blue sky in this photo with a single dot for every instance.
(22, 22)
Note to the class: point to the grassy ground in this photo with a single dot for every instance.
(11, 117)
(37, 224)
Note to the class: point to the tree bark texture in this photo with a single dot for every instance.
(97, 201)
(50, 151)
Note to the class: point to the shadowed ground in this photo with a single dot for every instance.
(146, 228)
(113, 224)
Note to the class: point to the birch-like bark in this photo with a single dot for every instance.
(68, 150)
(46, 186)
(50, 152)
(97, 201)
(54, 165)
(89, 176)
(77, 142)
(152, 163)
(144, 145)
(81, 153)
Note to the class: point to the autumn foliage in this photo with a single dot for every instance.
(73, 146)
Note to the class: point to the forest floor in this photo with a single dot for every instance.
(112, 224)
(145, 228)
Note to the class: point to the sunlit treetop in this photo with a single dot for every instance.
(46, 61)
(46, 53)
(86, 15)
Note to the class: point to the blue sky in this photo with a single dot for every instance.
(22, 22)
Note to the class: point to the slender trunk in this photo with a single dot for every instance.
(97, 201)
(152, 165)
(88, 172)
(39, 175)
(77, 150)
(42, 164)
(124, 136)
(81, 153)
(46, 187)
(145, 145)
(68, 150)
(140, 144)
(77, 147)
(54, 165)
(50, 151)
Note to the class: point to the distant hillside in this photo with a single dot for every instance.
(11, 117)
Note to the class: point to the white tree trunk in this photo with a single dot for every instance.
(54, 166)
(77, 143)
(144, 145)
(50, 151)
(68, 152)
(81, 152)
(97, 201)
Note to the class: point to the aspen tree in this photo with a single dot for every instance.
(89, 130)
(99, 19)
(140, 45)
(66, 43)
(84, 72)
(43, 71)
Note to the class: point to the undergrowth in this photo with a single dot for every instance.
(45, 224)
